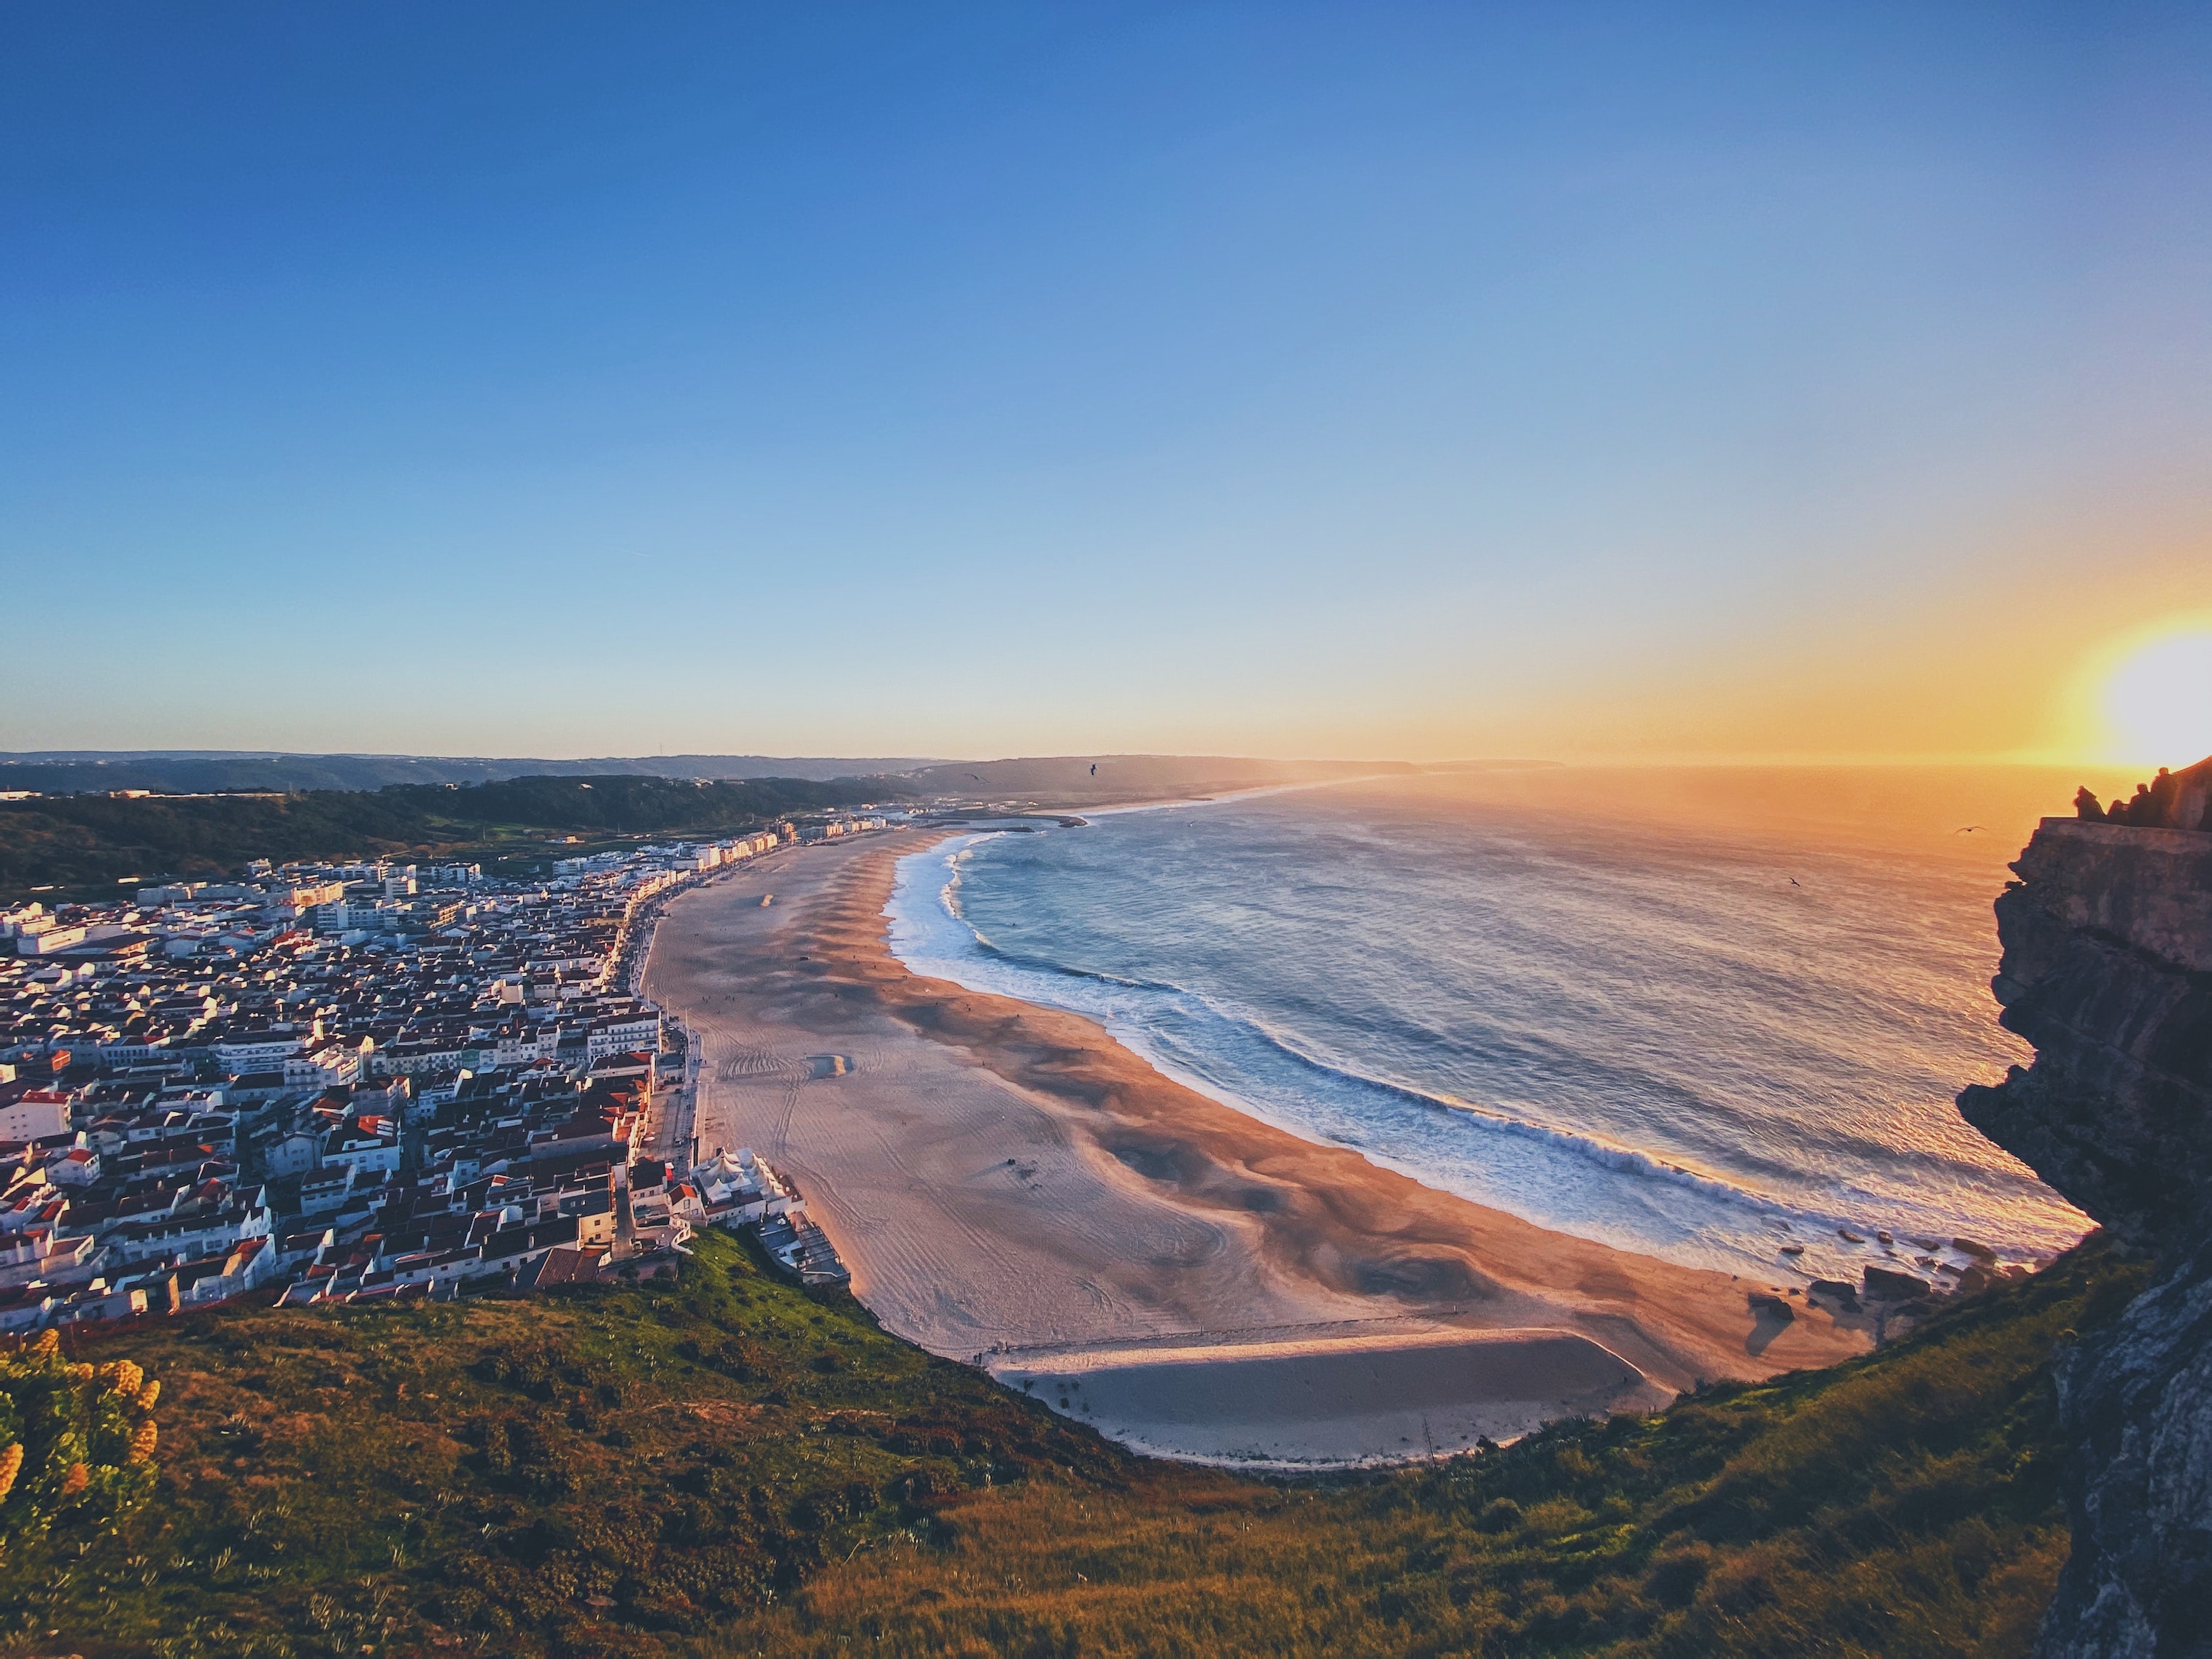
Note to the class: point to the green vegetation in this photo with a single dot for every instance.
(84, 845)
(77, 1442)
(729, 1465)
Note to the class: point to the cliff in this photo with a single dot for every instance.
(2107, 942)
(2107, 971)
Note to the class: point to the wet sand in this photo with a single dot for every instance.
(1336, 1400)
(1009, 1186)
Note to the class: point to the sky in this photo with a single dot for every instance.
(1592, 381)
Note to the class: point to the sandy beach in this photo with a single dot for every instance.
(1012, 1187)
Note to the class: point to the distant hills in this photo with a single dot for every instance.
(214, 771)
(81, 835)
(87, 845)
(1062, 779)
(89, 826)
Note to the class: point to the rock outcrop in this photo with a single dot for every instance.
(2107, 958)
(2107, 970)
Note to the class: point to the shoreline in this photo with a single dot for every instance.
(1012, 1187)
(1543, 1157)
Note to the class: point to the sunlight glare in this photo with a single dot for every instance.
(2159, 701)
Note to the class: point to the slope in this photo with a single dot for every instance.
(732, 1464)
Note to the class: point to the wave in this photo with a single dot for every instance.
(1616, 1199)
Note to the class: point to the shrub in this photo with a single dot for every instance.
(78, 1443)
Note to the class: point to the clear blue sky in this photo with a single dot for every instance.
(978, 379)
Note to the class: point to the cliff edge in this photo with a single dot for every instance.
(2107, 971)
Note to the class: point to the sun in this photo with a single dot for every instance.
(2158, 700)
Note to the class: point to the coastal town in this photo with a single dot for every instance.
(322, 1083)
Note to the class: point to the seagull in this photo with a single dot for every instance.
(1094, 768)
(1968, 830)
(1793, 882)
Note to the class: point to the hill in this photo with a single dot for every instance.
(205, 771)
(88, 843)
(731, 1465)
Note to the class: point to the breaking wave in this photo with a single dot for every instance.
(1253, 1039)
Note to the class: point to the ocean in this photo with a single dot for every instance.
(1699, 1017)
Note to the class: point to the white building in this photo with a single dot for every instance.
(38, 1115)
(265, 1053)
(624, 1033)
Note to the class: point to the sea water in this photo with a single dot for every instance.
(1694, 1033)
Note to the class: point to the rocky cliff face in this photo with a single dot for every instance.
(2107, 958)
(2107, 970)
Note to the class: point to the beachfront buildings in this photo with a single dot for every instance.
(346, 1081)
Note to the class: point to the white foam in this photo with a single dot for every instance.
(1566, 1180)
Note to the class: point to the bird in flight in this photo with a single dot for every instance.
(1968, 830)
(1793, 882)
(1094, 768)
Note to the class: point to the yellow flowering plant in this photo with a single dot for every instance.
(77, 1441)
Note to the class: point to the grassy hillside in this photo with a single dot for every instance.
(732, 1465)
(86, 844)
